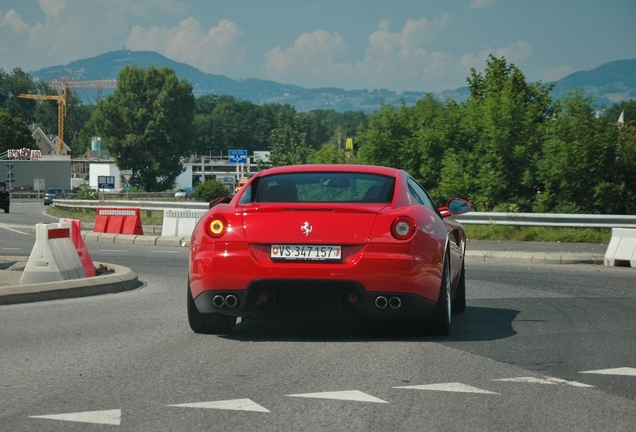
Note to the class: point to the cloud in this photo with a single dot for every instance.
(321, 58)
(478, 4)
(515, 53)
(52, 7)
(314, 53)
(65, 34)
(213, 51)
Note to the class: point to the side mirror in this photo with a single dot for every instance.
(455, 206)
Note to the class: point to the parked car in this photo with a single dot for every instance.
(54, 193)
(328, 239)
(186, 192)
(5, 197)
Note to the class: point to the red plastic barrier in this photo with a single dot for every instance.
(118, 221)
(78, 241)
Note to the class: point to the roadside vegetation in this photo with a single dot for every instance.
(509, 147)
(474, 232)
(89, 215)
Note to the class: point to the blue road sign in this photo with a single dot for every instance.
(106, 182)
(238, 156)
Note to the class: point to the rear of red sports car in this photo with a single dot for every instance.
(323, 238)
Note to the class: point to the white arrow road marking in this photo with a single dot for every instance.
(234, 404)
(617, 371)
(352, 395)
(448, 387)
(549, 381)
(109, 417)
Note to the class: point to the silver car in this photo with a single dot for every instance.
(54, 193)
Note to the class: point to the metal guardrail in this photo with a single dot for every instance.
(549, 219)
(142, 205)
(472, 218)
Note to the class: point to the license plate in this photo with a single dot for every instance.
(306, 252)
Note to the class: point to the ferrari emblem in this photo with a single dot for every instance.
(306, 228)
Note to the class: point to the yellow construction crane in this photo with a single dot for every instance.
(61, 101)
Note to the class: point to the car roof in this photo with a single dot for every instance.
(371, 169)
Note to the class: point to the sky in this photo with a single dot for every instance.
(398, 45)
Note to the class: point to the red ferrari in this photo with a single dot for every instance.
(319, 239)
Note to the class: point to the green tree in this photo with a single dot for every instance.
(390, 139)
(287, 145)
(507, 117)
(19, 82)
(147, 125)
(14, 133)
(586, 165)
(210, 189)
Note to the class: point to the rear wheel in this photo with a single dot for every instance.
(441, 319)
(208, 323)
(459, 302)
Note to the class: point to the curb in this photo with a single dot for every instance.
(122, 279)
(144, 240)
(534, 257)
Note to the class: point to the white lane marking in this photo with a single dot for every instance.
(548, 381)
(10, 248)
(109, 417)
(352, 395)
(448, 387)
(166, 252)
(3, 226)
(113, 250)
(628, 371)
(234, 404)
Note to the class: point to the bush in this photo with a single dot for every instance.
(210, 189)
(86, 193)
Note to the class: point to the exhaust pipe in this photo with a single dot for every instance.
(218, 301)
(380, 302)
(231, 301)
(395, 302)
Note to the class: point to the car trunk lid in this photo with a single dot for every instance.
(309, 224)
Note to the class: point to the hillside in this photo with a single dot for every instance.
(609, 83)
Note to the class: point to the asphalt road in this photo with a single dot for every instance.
(519, 358)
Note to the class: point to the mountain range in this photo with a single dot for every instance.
(609, 83)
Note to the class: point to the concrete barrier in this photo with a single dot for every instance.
(180, 223)
(621, 250)
(53, 257)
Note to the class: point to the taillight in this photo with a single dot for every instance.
(216, 226)
(402, 228)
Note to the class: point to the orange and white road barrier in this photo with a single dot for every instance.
(118, 221)
(80, 246)
(54, 257)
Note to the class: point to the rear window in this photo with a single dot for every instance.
(346, 187)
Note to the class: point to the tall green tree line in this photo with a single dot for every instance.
(510, 147)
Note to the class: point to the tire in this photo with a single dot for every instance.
(208, 323)
(441, 319)
(459, 302)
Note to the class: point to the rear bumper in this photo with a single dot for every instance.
(312, 297)
(411, 275)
